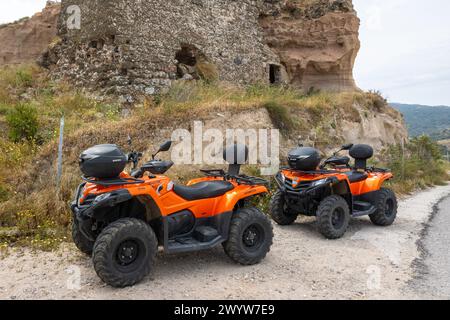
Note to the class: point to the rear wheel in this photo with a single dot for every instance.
(333, 217)
(124, 252)
(250, 237)
(386, 205)
(82, 243)
(279, 211)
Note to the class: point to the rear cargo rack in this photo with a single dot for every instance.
(379, 170)
(113, 182)
(248, 180)
(240, 179)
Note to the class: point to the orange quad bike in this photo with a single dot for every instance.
(333, 191)
(122, 219)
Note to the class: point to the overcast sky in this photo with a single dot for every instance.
(405, 49)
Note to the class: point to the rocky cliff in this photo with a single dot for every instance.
(25, 40)
(317, 42)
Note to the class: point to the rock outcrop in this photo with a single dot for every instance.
(125, 47)
(317, 43)
(25, 40)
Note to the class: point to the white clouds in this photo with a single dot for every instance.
(12, 10)
(405, 48)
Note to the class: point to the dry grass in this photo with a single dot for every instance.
(207, 71)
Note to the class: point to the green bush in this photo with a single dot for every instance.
(416, 165)
(24, 78)
(23, 123)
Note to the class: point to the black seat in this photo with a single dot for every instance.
(355, 176)
(203, 190)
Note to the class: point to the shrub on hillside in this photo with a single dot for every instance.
(416, 165)
(23, 123)
(377, 100)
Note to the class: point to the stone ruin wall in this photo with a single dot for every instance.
(141, 47)
(132, 46)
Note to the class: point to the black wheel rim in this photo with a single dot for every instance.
(127, 253)
(338, 218)
(253, 237)
(389, 208)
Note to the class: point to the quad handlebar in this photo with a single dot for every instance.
(134, 158)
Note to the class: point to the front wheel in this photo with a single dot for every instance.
(250, 238)
(333, 217)
(81, 242)
(279, 211)
(125, 252)
(386, 206)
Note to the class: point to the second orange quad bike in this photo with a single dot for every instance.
(122, 219)
(333, 191)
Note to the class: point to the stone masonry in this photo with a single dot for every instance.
(131, 47)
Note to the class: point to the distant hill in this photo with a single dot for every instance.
(433, 121)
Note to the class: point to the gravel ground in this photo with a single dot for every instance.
(433, 274)
(368, 263)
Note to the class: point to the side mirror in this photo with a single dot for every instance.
(347, 146)
(165, 146)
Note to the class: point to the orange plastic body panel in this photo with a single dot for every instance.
(169, 202)
(374, 182)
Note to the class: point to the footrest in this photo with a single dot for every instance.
(191, 244)
(361, 208)
(205, 234)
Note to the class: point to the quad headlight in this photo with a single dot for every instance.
(319, 183)
(102, 197)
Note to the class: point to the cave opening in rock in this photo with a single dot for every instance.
(275, 74)
(187, 55)
(187, 58)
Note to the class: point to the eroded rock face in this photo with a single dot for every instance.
(377, 129)
(317, 43)
(25, 40)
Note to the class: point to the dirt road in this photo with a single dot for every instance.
(369, 263)
(433, 272)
